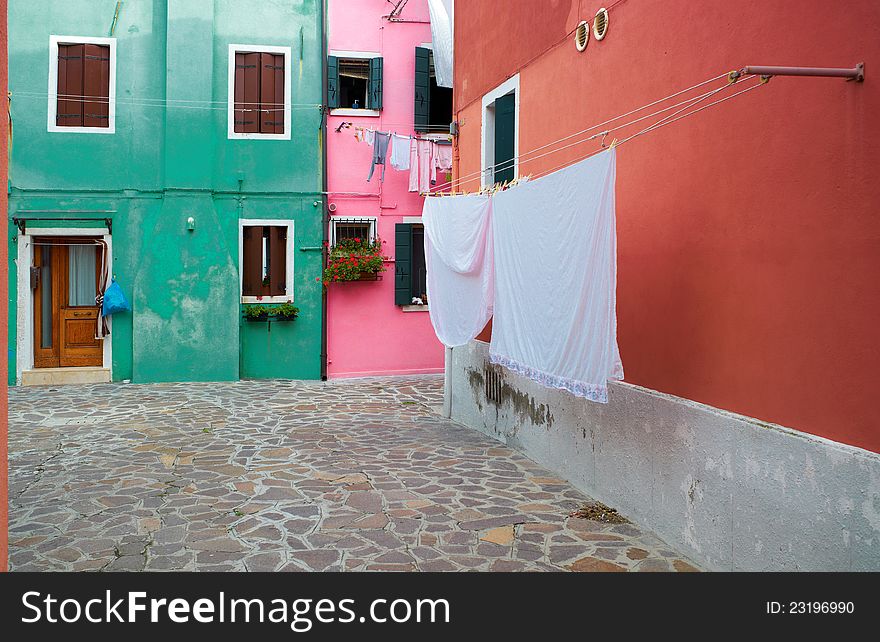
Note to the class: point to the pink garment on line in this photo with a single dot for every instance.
(420, 165)
(442, 160)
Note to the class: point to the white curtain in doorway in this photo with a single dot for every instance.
(81, 275)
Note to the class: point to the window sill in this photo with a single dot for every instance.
(414, 308)
(345, 111)
(267, 299)
(81, 130)
(256, 136)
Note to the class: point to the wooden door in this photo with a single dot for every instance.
(65, 313)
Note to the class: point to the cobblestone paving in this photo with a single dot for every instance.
(261, 476)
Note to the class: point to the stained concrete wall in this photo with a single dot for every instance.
(730, 491)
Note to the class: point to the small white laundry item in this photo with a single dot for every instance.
(400, 151)
(556, 279)
(458, 257)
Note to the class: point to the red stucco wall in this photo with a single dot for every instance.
(748, 235)
(4, 305)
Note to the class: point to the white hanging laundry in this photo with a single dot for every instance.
(442, 30)
(458, 257)
(556, 278)
(400, 151)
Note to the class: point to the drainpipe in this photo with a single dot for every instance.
(325, 221)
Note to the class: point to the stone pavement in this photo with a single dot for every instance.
(288, 475)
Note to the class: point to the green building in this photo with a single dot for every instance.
(176, 146)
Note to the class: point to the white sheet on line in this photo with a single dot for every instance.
(458, 257)
(555, 257)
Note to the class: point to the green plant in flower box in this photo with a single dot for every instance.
(286, 311)
(256, 312)
(354, 259)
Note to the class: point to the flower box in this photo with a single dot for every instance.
(354, 260)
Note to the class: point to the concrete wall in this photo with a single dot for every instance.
(165, 164)
(366, 332)
(747, 234)
(732, 492)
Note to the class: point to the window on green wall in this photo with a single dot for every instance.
(259, 92)
(266, 261)
(82, 80)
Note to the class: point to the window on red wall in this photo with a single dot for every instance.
(259, 93)
(83, 86)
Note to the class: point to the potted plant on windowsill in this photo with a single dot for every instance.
(354, 260)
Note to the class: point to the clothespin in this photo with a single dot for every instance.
(613, 144)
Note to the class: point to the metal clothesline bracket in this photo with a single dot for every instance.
(856, 73)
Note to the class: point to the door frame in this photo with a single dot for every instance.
(24, 335)
(487, 132)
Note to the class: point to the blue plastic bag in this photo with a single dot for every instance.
(114, 300)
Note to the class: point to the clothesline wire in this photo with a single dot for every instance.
(510, 163)
(661, 123)
(294, 106)
(690, 102)
(136, 103)
(390, 133)
(137, 99)
(522, 156)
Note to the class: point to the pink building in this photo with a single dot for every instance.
(373, 327)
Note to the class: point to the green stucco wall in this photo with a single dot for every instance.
(166, 164)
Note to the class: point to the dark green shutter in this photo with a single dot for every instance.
(403, 264)
(422, 110)
(332, 82)
(375, 83)
(505, 137)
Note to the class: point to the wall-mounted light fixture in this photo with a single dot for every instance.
(191, 224)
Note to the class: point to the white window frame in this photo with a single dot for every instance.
(51, 123)
(289, 259)
(358, 55)
(372, 220)
(487, 143)
(231, 133)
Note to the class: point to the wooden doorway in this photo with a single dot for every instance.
(65, 278)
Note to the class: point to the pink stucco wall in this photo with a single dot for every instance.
(366, 333)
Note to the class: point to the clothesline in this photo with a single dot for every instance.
(529, 155)
(197, 104)
(373, 130)
(422, 157)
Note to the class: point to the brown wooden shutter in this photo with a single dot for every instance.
(239, 115)
(278, 261)
(69, 108)
(279, 93)
(252, 261)
(96, 84)
(247, 93)
(270, 116)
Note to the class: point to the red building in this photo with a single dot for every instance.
(748, 248)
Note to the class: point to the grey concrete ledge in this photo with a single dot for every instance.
(732, 492)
